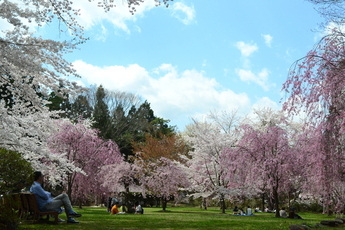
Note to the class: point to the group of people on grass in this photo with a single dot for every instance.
(114, 206)
(292, 214)
(115, 209)
(239, 211)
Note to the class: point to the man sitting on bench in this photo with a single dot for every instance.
(46, 202)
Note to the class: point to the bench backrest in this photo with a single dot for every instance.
(30, 205)
(29, 202)
(25, 203)
(33, 206)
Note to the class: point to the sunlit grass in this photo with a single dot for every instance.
(178, 218)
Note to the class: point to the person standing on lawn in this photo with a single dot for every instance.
(46, 202)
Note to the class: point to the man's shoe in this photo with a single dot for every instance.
(60, 210)
(72, 221)
(61, 220)
(74, 214)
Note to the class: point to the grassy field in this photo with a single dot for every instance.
(177, 218)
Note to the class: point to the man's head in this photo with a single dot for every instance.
(38, 177)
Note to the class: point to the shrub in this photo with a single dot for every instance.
(9, 212)
(15, 174)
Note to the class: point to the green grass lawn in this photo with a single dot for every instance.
(177, 218)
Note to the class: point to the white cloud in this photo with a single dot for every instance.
(261, 78)
(246, 49)
(91, 14)
(173, 95)
(184, 13)
(119, 16)
(245, 73)
(131, 78)
(268, 39)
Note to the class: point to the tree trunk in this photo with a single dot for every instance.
(80, 203)
(127, 204)
(164, 204)
(263, 201)
(276, 199)
(222, 203)
(158, 203)
(69, 187)
(204, 203)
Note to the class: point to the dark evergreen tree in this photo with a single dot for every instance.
(120, 117)
(81, 108)
(131, 126)
(159, 127)
(59, 103)
(101, 113)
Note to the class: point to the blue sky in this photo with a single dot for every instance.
(196, 56)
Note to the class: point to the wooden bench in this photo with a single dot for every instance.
(30, 206)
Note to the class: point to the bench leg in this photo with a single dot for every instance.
(56, 218)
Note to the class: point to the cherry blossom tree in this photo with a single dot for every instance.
(31, 67)
(26, 132)
(164, 179)
(208, 140)
(264, 160)
(122, 178)
(236, 174)
(316, 86)
(82, 147)
(118, 176)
